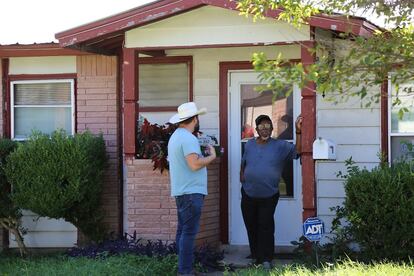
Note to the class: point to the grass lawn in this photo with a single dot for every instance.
(139, 265)
(61, 265)
(345, 269)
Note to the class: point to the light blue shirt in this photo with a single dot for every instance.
(183, 179)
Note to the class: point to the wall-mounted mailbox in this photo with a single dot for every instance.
(324, 149)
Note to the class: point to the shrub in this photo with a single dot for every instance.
(10, 215)
(379, 207)
(60, 177)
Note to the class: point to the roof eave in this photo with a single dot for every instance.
(37, 50)
(163, 9)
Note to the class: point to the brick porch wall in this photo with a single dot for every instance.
(97, 107)
(151, 210)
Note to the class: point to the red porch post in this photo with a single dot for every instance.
(129, 88)
(308, 107)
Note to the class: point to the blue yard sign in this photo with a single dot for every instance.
(313, 229)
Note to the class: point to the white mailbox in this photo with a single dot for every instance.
(324, 149)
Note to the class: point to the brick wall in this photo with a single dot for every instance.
(151, 209)
(97, 107)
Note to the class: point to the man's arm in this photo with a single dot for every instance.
(242, 173)
(196, 162)
(298, 125)
(298, 142)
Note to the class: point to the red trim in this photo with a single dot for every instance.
(166, 60)
(130, 97)
(166, 8)
(75, 98)
(120, 144)
(384, 119)
(158, 109)
(225, 67)
(6, 97)
(308, 108)
(42, 76)
(43, 49)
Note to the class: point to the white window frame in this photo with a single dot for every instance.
(390, 133)
(12, 106)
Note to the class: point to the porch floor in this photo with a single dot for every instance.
(236, 256)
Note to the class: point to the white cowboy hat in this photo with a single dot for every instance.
(185, 111)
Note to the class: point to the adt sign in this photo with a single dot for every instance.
(313, 229)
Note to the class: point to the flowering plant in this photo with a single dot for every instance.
(152, 143)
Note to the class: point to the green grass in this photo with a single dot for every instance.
(61, 265)
(347, 268)
(139, 265)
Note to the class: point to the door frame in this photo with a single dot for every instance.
(308, 107)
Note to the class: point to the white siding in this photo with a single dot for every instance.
(213, 26)
(46, 232)
(42, 65)
(357, 132)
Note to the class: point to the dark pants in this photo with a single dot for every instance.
(258, 218)
(188, 212)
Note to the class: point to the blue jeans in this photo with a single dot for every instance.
(189, 213)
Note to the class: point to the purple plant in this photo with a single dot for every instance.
(206, 256)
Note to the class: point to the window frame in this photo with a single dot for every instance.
(165, 60)
(51, 80)
(389, 111)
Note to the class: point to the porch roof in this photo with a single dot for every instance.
(37, 49)
(105, 36)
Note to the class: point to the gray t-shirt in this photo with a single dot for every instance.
(263, 166)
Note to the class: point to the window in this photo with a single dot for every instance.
(43, 105)
(164, 83)
(401, 129)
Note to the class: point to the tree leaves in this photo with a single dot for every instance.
(347, 65)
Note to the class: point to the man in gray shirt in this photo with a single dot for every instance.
(261, 168)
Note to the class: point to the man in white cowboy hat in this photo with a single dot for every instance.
(188, 176)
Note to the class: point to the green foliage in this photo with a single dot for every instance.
(347, 65)
(61, 265)
(7, 208)
(140, 265)
(10, 214)
(346, 267)
(379, 208)
(152, 143)
(60, 177)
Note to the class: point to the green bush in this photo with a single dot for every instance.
(379, 207)
(7, 208)
(10, 214)
(60, 177)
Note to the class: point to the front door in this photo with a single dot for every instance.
(245, 104)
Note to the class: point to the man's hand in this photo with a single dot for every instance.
(211, 151)
(298, 124)
(196, 162)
